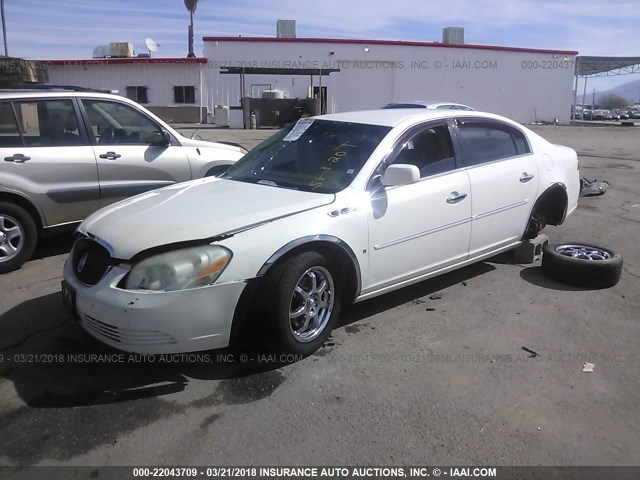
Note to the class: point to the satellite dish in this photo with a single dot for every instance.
(152, 45)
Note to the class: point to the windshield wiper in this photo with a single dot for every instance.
(267, 182)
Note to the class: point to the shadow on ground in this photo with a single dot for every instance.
(75, 394)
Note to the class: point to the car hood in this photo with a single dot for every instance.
(192, 142)
(195, 210)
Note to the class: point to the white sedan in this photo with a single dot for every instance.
(330, 210)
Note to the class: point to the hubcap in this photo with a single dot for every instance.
(11, 237)
(311, 304)
(583, 252)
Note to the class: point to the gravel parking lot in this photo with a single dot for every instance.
(405, 380)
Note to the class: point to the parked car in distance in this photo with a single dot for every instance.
(69, 151)
(428, 105)
(331, 210)
(600, 114)
(587, 114)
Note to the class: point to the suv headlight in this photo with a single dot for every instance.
(179, 270)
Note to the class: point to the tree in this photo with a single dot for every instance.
(191, 6)
(611, 100)
(4, 28)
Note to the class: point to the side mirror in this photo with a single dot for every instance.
(400, 174)
(160, 139)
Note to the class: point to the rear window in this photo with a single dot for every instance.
(484, 142)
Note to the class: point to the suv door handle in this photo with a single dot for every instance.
(110, 155)
(456, 197)
(525, 177)
(17, 158)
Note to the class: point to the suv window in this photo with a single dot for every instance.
(46, 123)
(116, 123)
(430, 150)
(9, 133)
(485, 142)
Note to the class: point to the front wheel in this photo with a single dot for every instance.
(304, 302)
(18, 236)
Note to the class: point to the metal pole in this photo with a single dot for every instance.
(320, 80)
(584, 96)
(575, 99)
(201, 92)
(4, 28)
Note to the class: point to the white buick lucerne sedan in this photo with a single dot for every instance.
(329, 210)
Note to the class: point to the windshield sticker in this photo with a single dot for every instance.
(296, 132)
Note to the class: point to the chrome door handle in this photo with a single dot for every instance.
(110, 155)
(525, 177)
(456, 197)
(17, 158)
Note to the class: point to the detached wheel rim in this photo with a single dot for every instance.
(11, 237)
(311, 304)
(583, 252)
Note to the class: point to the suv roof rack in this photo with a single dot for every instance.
(71, 88)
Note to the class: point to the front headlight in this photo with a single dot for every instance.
(179, 270)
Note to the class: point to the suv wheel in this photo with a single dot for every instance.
(18, 236)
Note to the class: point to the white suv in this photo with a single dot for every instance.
(66, 152)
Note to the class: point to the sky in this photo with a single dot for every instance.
(54, 29)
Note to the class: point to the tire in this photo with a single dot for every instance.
(294, 300)
(18, 236)
(582, 265)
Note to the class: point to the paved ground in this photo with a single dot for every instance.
(399, 384)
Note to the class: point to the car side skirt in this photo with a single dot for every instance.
(435, 273)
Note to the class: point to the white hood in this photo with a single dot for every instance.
(194, 210)
(192, 142)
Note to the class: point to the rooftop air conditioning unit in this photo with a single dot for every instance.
(121, 49)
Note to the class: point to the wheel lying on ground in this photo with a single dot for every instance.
(303, 301)
(18, 236)
(583, 265)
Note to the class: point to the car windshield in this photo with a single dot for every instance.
(311, 155)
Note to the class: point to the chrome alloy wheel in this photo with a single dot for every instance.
(311, 304)
(583, 252)
(11, 237)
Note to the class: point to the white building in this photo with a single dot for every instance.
(524, 84)
(170, 87)
(527, 85)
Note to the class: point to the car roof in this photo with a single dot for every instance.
(25, 92)
(426, 103)
(396, 116)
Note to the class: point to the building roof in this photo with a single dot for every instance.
(588, 65)
(125, 61)
(351, 41)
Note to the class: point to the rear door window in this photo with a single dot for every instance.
(9, 132)
(48, 123)
(484, 142)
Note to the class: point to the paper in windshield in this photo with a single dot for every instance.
(300, 127)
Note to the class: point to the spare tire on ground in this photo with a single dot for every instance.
(582, 265)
